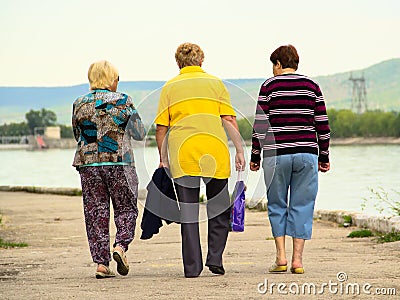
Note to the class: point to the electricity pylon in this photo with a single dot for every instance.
(359, 98)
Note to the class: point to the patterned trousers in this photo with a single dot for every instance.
(99, 184)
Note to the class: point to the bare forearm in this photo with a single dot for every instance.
(161, 134)
(232, 128)
(233, 132)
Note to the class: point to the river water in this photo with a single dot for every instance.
(354, 170)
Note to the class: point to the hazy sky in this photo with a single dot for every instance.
(53, 42)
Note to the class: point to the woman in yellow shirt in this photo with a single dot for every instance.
(194, 109)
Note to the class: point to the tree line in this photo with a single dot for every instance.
(35, 119)
(344, 123)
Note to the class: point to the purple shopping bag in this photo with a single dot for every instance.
(238, 205)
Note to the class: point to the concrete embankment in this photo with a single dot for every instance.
(42, 190)
(383, 224)
(33, 144)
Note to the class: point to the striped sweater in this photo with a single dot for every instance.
(290, 118)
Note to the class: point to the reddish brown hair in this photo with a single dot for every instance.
(287, 56)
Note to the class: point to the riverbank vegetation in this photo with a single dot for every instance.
(35, 119)
(385, 202)
(345, 123)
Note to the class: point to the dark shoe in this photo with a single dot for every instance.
(217, 270)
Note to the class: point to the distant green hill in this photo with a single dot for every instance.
(382, 79)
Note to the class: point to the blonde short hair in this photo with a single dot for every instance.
(189, 54)
(102, 75)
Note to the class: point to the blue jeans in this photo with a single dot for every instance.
(292, 186)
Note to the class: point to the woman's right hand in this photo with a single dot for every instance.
(254, 166)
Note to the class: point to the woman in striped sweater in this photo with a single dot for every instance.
(292, 130)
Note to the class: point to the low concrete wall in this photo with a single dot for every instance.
(42, 190)
(382, 224)
(60, 143)
(56, 191)
(259, 204)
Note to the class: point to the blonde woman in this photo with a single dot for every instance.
(194, 108)
(106, 168)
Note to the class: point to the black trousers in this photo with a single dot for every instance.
(218, 214)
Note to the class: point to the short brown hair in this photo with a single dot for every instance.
(189, 54)
(287, 56)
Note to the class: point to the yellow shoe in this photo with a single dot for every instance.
(277, 269)
(297, 270)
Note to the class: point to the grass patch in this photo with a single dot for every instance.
(380, 237)
(360, 233)
(4, 244)
(393, 236)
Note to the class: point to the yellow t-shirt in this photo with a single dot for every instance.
(192, 104)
